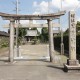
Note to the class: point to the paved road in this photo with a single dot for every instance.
(36, 70)
(34, 50)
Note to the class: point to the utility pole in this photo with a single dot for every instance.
(17, 28)
(16, 6)
(17, 22)
(62, 44)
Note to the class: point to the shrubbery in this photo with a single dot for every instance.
(78, 45)
(35, 41)
(57, 42)
(4, 42)
(44, 37)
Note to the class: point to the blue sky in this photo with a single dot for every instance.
(40, 7)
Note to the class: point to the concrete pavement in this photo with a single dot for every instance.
(35, 70)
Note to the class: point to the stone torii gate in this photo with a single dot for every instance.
(48, 17)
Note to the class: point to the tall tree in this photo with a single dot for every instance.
(77, 29)
(44, 34)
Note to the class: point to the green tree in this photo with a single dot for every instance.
(44, 35)
(66, 32)
(22, 32)
(33, 28)
(77, 29)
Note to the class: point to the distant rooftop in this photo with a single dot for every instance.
(2, 33)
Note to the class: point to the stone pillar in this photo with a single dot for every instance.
(51, 46)
(72, 62)
(72, 40)
(11, 53)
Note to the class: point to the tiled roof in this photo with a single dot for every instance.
(2, 33)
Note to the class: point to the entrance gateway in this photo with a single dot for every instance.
(49, 17)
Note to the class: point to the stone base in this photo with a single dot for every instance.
(71, 65)
(72, 62)
(68, 68)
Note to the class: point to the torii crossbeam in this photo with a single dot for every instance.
(32, 17)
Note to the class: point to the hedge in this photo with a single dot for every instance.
(57, 42)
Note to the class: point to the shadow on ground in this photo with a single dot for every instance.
(56, 67)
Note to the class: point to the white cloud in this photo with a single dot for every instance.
(66, 4)
(35, 4)
(55, 4)
(41, 7)
(44, 6)
(78, 18)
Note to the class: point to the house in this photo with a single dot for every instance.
(4, 34)
(31, 34)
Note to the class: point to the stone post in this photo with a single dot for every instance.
(11, 53)
(51, 44)
(72, 62)
(72, 40)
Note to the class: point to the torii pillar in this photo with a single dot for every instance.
(72, 62)
(11, 51)
(51, 44)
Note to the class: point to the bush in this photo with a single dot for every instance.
(4, 42)
(57, 43)
(78, 45)
(35, 40)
